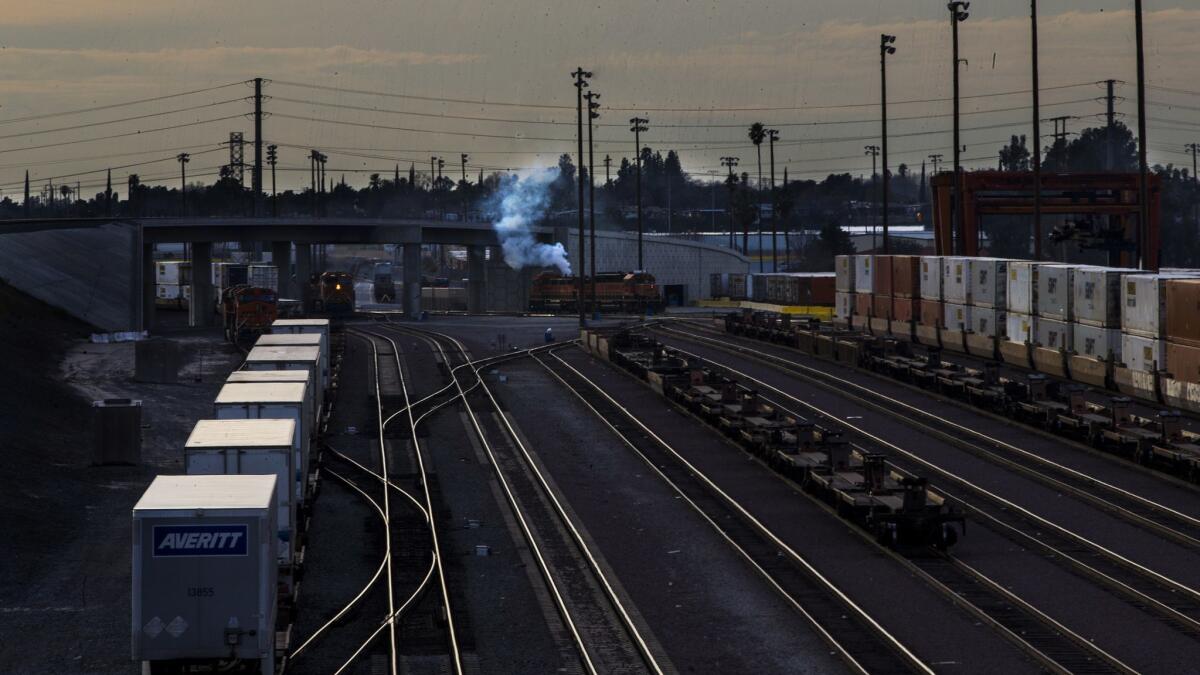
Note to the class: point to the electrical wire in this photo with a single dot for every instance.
(122, 135)
(107, 168)
(110, 106)
(88, 125)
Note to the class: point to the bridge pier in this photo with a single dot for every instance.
(147, 290)
(201, 309)
(412, 280)
(304, 261)
(475, 279)
(281, 258)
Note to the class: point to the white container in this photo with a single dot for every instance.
(1054, 291)
(205, 564)
(989, 282)
(957, 317)
(282, 357)
(1096, 342)
(843, 306)
(1142, 353)
(864, 277)
(298, 376)
(1144, 303)
(931, 277)
(177, 272)
(1053, 334)
(1096, 295)
(843, 266)
(272, 400)
(299, 340)
(987, 321)
(249, 447)
(1022, 287)
(956, 284)
(1020, 328)
(321, 326)
(263, 276)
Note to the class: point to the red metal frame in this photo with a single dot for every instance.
(1011, 193)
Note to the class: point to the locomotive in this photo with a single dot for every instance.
(385, 285)
(617, 291)
(333, 292)
(248, 310)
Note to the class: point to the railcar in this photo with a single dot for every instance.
(248, 310)
(614, 291)
(334, 293)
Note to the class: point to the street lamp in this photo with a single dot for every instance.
(731, 181)
(958, 13)
(885, 49)
(581, 82)
(638, 125)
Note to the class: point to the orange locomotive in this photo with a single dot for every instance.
(617, 291)
(248, 310)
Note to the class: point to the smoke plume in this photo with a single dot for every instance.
(519, 202)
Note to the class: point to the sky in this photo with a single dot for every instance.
(366, 81)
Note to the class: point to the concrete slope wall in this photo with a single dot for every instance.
(671, 261)
(91, 273)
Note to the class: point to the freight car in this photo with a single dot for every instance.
(900, 511)
(247, 311)
(333, 292)
(614, 291)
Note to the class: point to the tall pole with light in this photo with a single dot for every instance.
(731, 182)
(273, 159)
(772, 136)
(885, 49)
(593, 105)
(183, 159)
(637, 126)
(1037, 134)
(958, 14)
(1143, 188)
(581, 82)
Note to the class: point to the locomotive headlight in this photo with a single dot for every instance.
(337, 287)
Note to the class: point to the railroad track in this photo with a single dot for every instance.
(605, 636)
(1046, 641)
(1144, 588)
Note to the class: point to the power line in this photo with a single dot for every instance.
(123, 135)
(107, 168)
(89, 125)
(110, 106)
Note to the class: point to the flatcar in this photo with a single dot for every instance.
(248, 310)
(334, 293)
(614, 291)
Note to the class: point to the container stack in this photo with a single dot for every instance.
(931, 292)
(1143, 321)
(173, 284)
(1183, 329)
(263, 276)
(1096, 309)
(987, 293)
(864, 284)
(956, 293)
(906, 288)
(1021, 302)
(881, 283)
(1054, 306)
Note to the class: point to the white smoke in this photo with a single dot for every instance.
(519, 203)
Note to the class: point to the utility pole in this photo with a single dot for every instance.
(1143, 189)
(1037, 136)
(312, 171)
(936, 159)
(958, 13)
(1192, 148)
(581, 82)
(873, 151)
(256, 174)
(183, 159)
(432, 173)
(772, 136)
(272, 159)
(1110, 99)
(1060, 134)
(639, 124)
(607, 166)
(886, 48)
(26, 202)
(107, 194)
(464, 156)
(593, 106)
(731, 162)
(321, 159)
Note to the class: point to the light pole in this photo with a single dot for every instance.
(638, 126)
(1143, 189)
(936, 160)
(873, 151)
(885, 48)
(1037, 135)
(772, 136)
(731, 181)
(464, 156)
(581, 82)
(183, 158)
(958, 13)
(272, 159)
(592, 98)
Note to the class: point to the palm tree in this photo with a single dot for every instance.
(757, 133)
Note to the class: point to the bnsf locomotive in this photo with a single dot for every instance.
(248, 310)
(620, 291)
(333, 292)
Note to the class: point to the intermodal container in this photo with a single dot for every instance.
(173, 272)
(931, 277)
(263, 276)
(987, 321)
(1021, 294)
(906, 276)
(957, 317)
(932, 313)
(739, 283)
(821, 289)
(864, 304)
(1097, 295)
(1020, 327)
(1053, 334)
(1054, 291)
(299, 340)
(906, 309)
(843, 266)
(272, 400)
(956, 285)
(882, 280)
(1144, 304)
(1142, 353)
(718, 285)
(1096, 342)
(864, 273)
(1183, 311)
(882, 307)
(844, 306)
(988, 278)
(1184, 362)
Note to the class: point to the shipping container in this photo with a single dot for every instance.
(1183, 311)
(1020, 327)
(882, 307)
(300, 376)
(250, 447)
(1097, 296)
(906, 309)
(756, 287)
(957, 317)
(1143, 354)
(1144, 304)
(1052, 334)
(821, 289)
(740, 286)
(282, 357)
(718, 285)
(843, 266)
(173, 296)
(176, 272)
(263, 276)
(1184, 362)
(204, 571)
(932, 314)
(272, 400)
(320, 326)
(906, 276)
(844, 307)
(1021, 294)
(956, 285)
(226, 274)
(864, 273)
(931, 277)
(988, 321)
(988, 278)
(882, 279)
(299, 340)
(1096, 342)
(1054, 291)
(864, 304)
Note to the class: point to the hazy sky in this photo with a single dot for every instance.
(798, 56)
